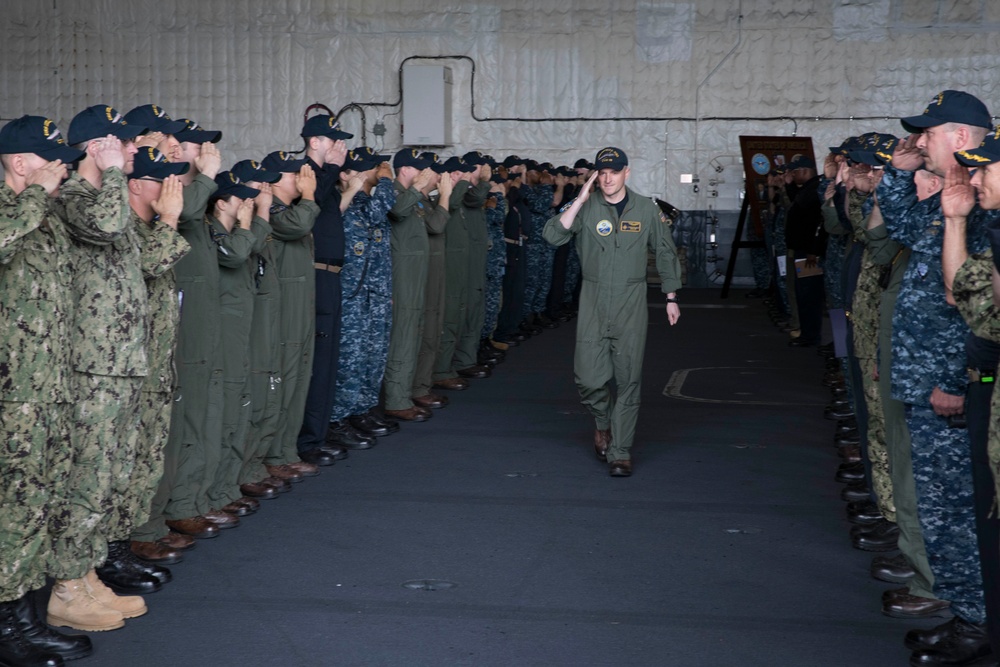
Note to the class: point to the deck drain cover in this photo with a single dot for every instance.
(520, 474)
(428, 585)
(743, 531)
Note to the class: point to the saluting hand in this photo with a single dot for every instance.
(383, 171)
(150, 139)
(423, 179)
(305, 181)
(958, 196)
(907, 156)
(263, 200)
(209, 160)
(585, 190)
(49, 177)
(107, 152)
(171, 201)
(244, 214)
(337, 154)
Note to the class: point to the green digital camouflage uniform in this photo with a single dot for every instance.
(36, 315)
(973, 293)
(145, 498)
(411, 217)
(108, 347)
(196, 420)
(434, 296)
(264, 356)
(236, 291)
(293, 254)
(614, 314)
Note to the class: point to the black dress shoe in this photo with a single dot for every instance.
(341, 434)
(318, 457)
(967, 645)
(864, 513)
(123, 575)
(850, 472)
(365, 425)
(486, 362)
(384, 421)
(893, 569)
(44, 638)
(158, 572)
(336, 451)
(855, 492)
(620, 468)
(916, 640)
(882, 536)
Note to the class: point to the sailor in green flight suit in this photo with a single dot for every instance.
(613, 232)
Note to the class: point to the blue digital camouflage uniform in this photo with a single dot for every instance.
(540, 253)
(37, 314)
(379, 286)
(496, 260)
(760, 261)
(928, 346)
(356, 326)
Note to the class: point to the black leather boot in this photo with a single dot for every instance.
(966, 645)
(44, 638)
(383, 421)
(121, 575)
(158, 572)
(365, 425)
(341, 434)
(15, 649)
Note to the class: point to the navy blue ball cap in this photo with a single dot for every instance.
(531, 165)
(848, 145)
(230, 184)
(475, 158)
(195, 134)
(38, 135)
(512, 161)
(497, 178)
(151, 163)
(364, 158)
(324, 125)
(251, 170)
(154, 119)
(950, 106)
(459, 164)
(875, 149)
(611, 158)
(410, 157)
(283, 162)
(582, 164)
(988, 152)
(800, 161)
(100, 121)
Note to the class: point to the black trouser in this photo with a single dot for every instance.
(513, 292)
(326, 357)
(809, 296)
(983, 354)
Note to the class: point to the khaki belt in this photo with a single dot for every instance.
(332, 268)
(980, 376)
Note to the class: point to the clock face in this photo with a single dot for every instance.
(760, 164)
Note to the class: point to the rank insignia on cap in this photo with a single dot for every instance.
(604, 227)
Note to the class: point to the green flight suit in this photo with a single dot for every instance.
(293, 254)
(410, 217)
(474, 211)
(196, 420)
(162, 249)
(36, 313)
(109, 359)
(236, 292)
(613, 315)
(434, 297)
(265, 356)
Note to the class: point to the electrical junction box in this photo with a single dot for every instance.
(427, 105)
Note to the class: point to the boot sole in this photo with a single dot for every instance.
(61, 622)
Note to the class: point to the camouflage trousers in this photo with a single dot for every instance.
(493, 290)
(942, 470)
(534, 253)
(543, 279)
(105, 439)
(355, 316)
(157, 407)
(34, 467)
(993, 445)
(878, 453)
(154, 429)
(833, 270)
(376, 353)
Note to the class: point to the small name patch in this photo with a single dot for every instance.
(630, 226)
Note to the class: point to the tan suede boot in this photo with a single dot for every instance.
(71, 605)
(130, 606)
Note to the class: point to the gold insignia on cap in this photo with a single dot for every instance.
(255, 164)
(996, 133)
(233, 178)
(973, 157)
(157, 111)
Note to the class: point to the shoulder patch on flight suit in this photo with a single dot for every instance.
(664, 218)
(567, 205)
(359, 248)
(630, 226)
(604, 227)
